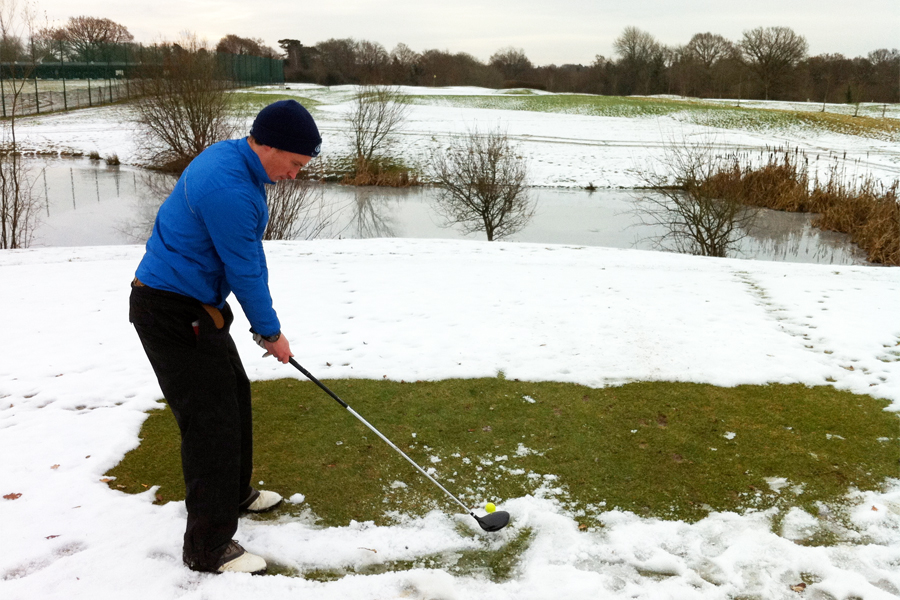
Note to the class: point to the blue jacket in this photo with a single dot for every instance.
(207, 238)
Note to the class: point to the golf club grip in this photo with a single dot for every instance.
(379, 434)
(312, 378)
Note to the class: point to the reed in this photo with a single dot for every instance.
(380, 172)
(779, 179)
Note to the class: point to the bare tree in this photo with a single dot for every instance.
(372, 62)
(885, 67)
(692, 220)
(87, 36)
(296, 210)
(709, 48)
(336, 62)
(11, 48)
(772, 52)
(483, 185)
(404, 64)
(698, 62)
(512, 63)
(18, 203)
(642, 59)
(439, 67)
(376, 113)
(184, 106)
(235, 44)
(635, 45)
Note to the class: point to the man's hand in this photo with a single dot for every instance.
(280, 349)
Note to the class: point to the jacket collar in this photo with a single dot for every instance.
(252, 158)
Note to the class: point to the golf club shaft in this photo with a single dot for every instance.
(378, 433)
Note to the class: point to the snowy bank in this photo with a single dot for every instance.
(74, 388)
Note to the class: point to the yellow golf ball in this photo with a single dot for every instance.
(490, 507)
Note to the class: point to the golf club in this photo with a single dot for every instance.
(494, 521)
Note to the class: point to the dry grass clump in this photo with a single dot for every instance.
(870, 213)
(380, 172)
(865, 209)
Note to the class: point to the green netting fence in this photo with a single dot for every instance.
(108, 75)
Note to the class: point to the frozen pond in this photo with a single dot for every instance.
(86, 202)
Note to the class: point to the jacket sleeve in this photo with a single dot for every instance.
(233, 219)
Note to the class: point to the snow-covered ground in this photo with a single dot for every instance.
(75, 385)
(563, 150)
(74, 388)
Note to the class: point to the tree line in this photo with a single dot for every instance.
(766, 63)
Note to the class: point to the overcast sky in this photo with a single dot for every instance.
(550, 31)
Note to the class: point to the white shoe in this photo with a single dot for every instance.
(261, 501)
(238, 560)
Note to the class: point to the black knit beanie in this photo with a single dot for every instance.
(288, 126)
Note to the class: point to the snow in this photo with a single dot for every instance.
(563, 150)
(75, 387)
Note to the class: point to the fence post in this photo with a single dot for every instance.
(37, 97)
(110, 74)
(2, 91)
(62, 71)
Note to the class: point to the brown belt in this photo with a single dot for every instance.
(214, 312)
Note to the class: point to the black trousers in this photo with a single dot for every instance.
(202, 378)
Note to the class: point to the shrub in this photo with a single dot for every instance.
(376, 113)
(866, 209)
(297, 210)
(695, 216)
(184, 106)
(483, 185)
(380, 172)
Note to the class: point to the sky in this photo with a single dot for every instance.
(558, 32)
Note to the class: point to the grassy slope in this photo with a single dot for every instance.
(702, 113)
(249, 102)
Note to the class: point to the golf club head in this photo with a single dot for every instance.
(494, 521)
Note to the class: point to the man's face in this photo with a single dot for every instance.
(281, 164)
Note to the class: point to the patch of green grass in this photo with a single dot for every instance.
(253, 102)
(668, 450)
(598, 106)
(762, 119)
(694, 111)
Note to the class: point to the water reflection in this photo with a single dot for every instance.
(707, 227)
(89, 203)
(154, 188)
(84, 201)
(372, 214)
(791, 237)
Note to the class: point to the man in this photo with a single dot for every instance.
(206, 243)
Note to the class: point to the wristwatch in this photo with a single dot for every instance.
(272, 338)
